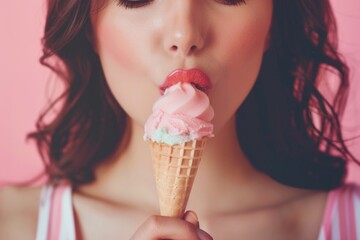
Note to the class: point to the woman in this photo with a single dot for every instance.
(273, 170)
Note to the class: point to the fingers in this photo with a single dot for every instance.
(191, 217)
(159, 227)
(203, 235)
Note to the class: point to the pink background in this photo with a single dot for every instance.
(25, 85)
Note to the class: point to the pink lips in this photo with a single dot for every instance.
(193, 76)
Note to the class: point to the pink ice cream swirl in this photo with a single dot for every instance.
(182, 114)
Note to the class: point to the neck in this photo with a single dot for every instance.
(224, 174)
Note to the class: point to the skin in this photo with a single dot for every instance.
(138, 48)
(226, 42)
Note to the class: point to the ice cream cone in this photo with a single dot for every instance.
(175, 167)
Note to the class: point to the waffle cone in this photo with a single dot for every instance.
(175, 168)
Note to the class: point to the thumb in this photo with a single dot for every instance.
(191, 217)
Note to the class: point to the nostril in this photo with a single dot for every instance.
(175, 48)
(193, 48)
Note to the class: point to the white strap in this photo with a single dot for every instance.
(67, 231)
(44, 212)
(67, 217)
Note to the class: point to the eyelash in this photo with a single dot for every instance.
(134, 3)
(231, 2)
(142, 3)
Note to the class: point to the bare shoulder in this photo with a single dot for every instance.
(18, 210)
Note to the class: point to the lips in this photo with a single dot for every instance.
(193, 76)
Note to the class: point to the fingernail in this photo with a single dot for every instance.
(203, 235)
(192, 216)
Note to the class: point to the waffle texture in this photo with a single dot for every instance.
(175, 169)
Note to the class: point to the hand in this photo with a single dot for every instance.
(158, 227)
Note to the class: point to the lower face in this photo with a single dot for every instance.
(138, 48)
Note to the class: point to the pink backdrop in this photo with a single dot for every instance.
(25, 85)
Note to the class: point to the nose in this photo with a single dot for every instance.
(185, 31)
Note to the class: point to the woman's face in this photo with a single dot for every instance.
(141, 42)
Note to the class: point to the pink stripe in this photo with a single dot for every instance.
(332, 195)
(357, 192)
(55, 216)
(343, 215)
(351, 211)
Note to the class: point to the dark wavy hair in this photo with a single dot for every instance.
(275, 124)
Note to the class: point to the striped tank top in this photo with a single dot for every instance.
(341, 220)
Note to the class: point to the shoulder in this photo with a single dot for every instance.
(19, 199)
(19, 208)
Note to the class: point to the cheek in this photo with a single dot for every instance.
(121, 59)
(242, 57)
(245, 44)
(116, 42)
